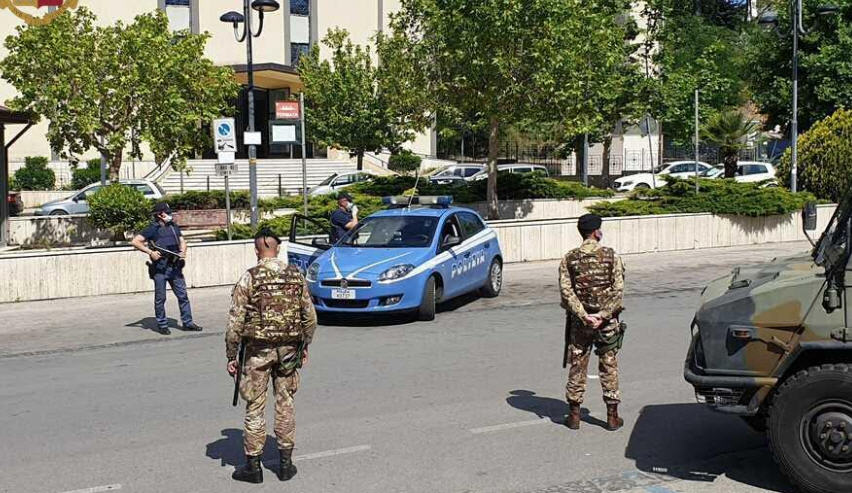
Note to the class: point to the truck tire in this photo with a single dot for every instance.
(494, 283)
(426, 312)
(810, 428)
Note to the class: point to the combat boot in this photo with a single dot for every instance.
(286, 469)
(572, 421)
(251, 472)
(613, 422)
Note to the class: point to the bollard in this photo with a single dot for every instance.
(208, 183)
(280, 193)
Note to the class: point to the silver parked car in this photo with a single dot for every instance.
(78, 203)
(455, 173)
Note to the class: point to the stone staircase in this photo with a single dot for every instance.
(269, 171)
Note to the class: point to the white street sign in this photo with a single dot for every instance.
(225, 135)
(252, 138)
(225, 169)
(227, 157)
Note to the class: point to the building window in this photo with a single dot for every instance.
(180, 14)
(296, 52)
(300, 7)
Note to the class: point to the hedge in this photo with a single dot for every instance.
(35, 175)
(202, 200)
(720, 196)
(83, 177)
(404, 162)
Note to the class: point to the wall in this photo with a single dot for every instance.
(535, 209)
(33, 276)
(54, 231)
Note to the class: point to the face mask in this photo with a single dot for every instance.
(166, 218)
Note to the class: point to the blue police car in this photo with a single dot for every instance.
(405, 258)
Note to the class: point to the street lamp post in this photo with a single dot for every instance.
(245, 18)
(770, 19)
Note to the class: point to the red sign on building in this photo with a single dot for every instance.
(287, 110)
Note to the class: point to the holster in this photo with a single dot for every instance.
(152, 269)
(610, 342)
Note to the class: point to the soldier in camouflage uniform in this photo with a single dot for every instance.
(591, 281)
(272, 314)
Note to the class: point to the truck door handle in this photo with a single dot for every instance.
(745, 333)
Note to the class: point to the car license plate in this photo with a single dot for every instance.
(343, 294)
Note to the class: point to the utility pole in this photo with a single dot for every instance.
(696, 141)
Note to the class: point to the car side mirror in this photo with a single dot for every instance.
(321, 243)
(76, 198)
(450, 241)
(809, 216)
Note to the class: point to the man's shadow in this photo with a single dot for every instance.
(547, 407)
(229, 450)
(150, 323)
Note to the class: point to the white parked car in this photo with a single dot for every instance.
(78, 203)
(678, 169)
(511, 168)
(747, 172)
(339, 181)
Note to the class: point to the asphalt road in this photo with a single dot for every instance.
(469, 402)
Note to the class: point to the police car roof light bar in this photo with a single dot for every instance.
(402, 201)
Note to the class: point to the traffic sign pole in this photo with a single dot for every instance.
(228, 204)
(304, 157)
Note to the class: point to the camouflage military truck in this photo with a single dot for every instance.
(772, 343)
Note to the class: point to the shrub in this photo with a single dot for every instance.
(716, 196)
(83, 177)
(214, 199)
(35, 175)
(825, 167)
(119, 209)
(404, 162)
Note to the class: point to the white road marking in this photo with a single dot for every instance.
(327, 453)
(97, 489)
(509, 426)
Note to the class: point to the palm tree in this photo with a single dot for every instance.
(728, 130)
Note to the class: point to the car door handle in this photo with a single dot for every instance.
(487, 244)
(467, 255)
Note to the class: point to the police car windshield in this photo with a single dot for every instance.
(392, 232)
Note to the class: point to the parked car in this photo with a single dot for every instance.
(511, 168)
(403, 259)
(16, 204)
(339, 181)
(455, 173)
(678, 169)
(78, 203)
(747, 172)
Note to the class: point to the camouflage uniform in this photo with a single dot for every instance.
(591, 281)
(271, 310)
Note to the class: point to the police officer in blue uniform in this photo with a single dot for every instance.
(163, 243)
(344, 219)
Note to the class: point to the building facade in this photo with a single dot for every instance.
(287, 35)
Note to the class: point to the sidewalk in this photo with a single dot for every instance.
(69, 324)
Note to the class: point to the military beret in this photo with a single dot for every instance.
(589, 222)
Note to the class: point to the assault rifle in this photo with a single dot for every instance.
(241, 357)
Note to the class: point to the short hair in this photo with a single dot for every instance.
(264, 234)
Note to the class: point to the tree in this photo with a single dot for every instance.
(111, 88)
(356, 105)
(497, 61)
(824, 150)
(728, 130)
(35, 175)
(825, 67)
(119, 208)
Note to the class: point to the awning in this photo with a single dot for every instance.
(13, 117)
(270, 76)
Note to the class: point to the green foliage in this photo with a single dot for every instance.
(825, 67)
(82, 177)
(119, 208)
(825, 158)
(159, 83)
(404, 162)
(355, 105)
(201, 200)
(728, 130)
(720, 196)
(35, 175)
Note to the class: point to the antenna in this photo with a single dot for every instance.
(416, 182)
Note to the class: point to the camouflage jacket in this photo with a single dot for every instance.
(271, 303)
(611, 299)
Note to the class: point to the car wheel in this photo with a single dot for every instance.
(810, 428)
(58, 212)
(642, 185)
(495, 280)
(426, 312)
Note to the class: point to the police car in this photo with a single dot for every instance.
(417, 253)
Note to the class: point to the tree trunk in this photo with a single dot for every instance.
(114, 167)
(493, 150)
(607, 149)
(579, 157)
(731, 165)
(360, 156)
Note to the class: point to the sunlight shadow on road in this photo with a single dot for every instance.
(547, 407)
(229, 450)
(693, 443)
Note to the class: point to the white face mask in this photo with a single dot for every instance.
(167, 218)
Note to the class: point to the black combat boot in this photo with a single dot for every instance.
(572, 421)
(250, 472)
(286, 469)
(613, 422)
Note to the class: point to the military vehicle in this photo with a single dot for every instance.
(772, 343)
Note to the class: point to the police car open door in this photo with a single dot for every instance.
(308, 240)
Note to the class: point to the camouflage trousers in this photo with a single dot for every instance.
(263, 361)
(580, 348)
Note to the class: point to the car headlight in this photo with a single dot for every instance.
(396, 272)
(312, 273)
